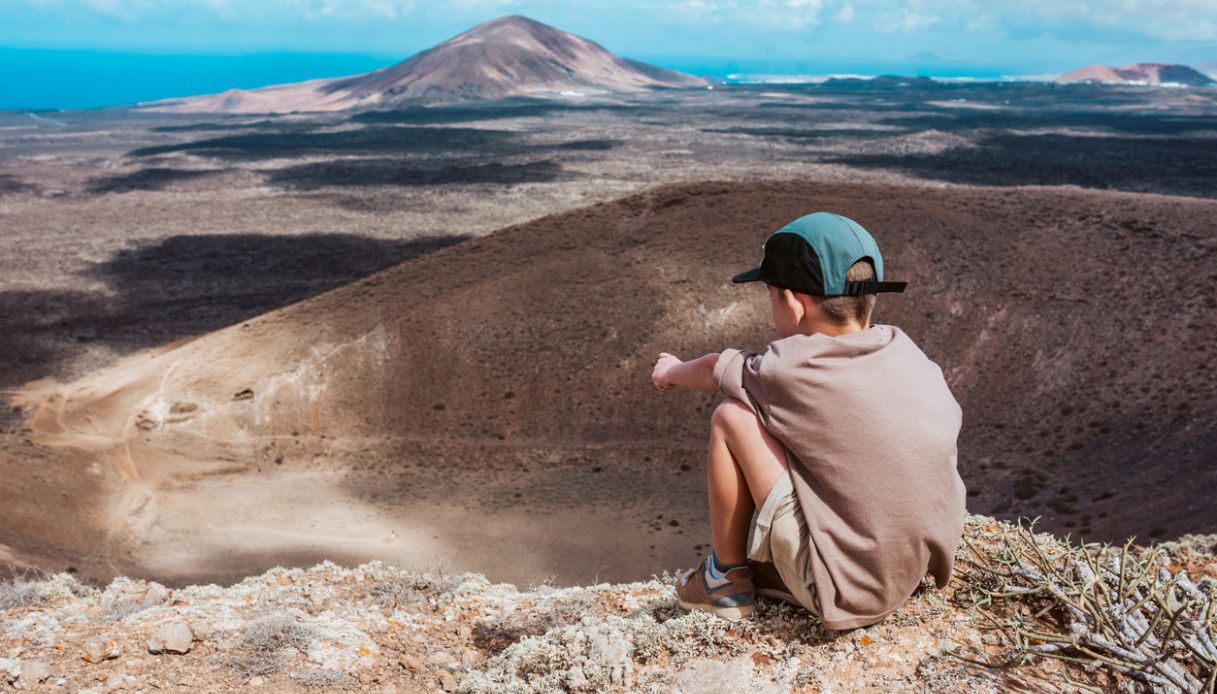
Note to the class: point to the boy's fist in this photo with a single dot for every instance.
(659, 375)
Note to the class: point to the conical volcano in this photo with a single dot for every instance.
(505, 57)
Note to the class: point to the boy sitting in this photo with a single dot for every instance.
(832, 458)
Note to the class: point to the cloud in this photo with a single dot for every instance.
(255, 10)
(795, 14)
(1171, 20)
(1160, 20)
(788, 15)
(914, 15)
(348, 9)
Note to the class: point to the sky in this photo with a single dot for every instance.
(263, 41)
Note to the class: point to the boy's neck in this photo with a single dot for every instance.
(829, 328)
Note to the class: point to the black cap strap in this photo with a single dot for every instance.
(856, 287)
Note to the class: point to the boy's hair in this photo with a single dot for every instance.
(843, 309)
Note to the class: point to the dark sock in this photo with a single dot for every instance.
(723, 567)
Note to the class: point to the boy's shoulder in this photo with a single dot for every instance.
(799, 348)
(878, 345)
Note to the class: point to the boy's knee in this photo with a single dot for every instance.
(731, 414)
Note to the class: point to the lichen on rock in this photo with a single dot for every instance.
(376, 628)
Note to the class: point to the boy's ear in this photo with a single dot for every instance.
(795, 304)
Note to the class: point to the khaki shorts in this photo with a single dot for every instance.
(779, 535)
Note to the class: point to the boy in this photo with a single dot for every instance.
(831, 471)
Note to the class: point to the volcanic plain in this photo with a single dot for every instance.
(424, 335)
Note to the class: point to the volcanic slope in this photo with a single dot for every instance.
(1141, 73)
(489, 404)
(509, 56)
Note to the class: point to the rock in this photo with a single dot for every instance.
(201, 628)
(575, 679)
(155, 593)
(447, 682)
(10, 669)
(119, 681)
(171, 637)
(409, 662)
(34, 671)
(99, 649)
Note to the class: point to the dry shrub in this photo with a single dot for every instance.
(323, 679)
(265, 639)
(22, 590)
(1097, 606)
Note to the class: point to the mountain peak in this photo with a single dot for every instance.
(504, 57)
(509, 21)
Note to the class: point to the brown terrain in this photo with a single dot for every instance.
(1140, 73)
(509, 56)
(490, 402)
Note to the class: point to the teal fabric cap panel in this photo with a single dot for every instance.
(813, 254)
(838, 243)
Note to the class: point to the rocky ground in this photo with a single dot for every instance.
(377, 629)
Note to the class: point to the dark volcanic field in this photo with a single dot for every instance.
(1077, 326)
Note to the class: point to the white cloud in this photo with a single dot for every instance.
(257, 10)
(795, 14)
(350, 9)
(1169, 20)
(1172, 20)
(771, 14)
(1161, 19)
(916, 14)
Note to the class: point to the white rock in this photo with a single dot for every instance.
(575, 679)
(171, 637)
(156, 594)
(10, 669)
(119, 681)
(34, 671)
(99, 649)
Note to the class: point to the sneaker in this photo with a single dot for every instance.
(768, 582)
(730, 597)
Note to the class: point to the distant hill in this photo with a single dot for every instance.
(1141, 73)
(879, 82)
(509, 56)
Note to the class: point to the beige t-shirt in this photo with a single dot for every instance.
(870, 429)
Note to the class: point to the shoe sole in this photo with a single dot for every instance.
(725, 612)
(779, 595)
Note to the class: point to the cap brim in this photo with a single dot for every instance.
(753, 275)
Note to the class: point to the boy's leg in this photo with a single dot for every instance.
(743, 465)
(744, 462)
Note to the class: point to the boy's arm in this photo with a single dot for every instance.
(699, 373)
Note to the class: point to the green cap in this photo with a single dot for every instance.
(812, 254)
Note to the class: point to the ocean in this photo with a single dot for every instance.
(38, 79)
(68, 79)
